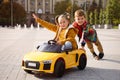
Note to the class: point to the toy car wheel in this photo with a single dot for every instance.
(28, 71)
(82, 62)
(59, 68)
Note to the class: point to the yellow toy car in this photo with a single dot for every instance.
(52, 58)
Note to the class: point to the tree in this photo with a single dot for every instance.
(87, 16)
(60, 7)
(93, 6)
(96, 17)
(112, 11)
(104, 16)
(91, 18)
(19, 14)
(65, 6)
(116, 12)
(100, 6)
(91, 11)
(101, 17)
(72, 7)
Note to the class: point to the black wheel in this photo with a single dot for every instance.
(28, 71)
(82, 62)
(59, 68)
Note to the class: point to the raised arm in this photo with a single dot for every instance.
(45, 24)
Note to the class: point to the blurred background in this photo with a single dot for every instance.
(100, 13)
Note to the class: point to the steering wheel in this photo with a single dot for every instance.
(51, 42)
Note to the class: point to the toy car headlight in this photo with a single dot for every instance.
(47, 61)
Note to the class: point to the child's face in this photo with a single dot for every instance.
(63, 23)
(80, 19)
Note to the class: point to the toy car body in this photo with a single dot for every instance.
(49, 58)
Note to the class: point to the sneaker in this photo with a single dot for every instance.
(95, 56)
(101, 55)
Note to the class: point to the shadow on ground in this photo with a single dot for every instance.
(111, 60)
(89, 73)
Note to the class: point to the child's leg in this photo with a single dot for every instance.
(90, 46)
(100, 49)
(99, 46)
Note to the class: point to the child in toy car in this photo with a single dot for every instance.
(58, 54)
(63, 32)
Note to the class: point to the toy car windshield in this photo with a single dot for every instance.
(45, 47)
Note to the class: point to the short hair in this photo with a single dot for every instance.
(79, 12)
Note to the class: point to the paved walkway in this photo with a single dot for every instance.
(14, 43)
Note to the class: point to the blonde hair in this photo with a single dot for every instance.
(79, 12)
(65, 15)
(56, 19)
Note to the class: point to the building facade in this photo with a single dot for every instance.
(47, 6)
